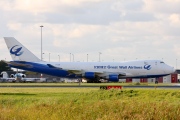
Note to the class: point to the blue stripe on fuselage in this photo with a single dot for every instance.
(43, 68)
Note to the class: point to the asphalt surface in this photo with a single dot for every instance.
(81, 86)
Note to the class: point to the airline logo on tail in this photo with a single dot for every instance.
(16, 50)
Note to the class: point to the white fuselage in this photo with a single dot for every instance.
(126, 69)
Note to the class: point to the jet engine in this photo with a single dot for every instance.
(113, 78)
(20, 75)
(23, 75)
(89, 75)
(12, 76)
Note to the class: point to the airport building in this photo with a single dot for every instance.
(172, 78)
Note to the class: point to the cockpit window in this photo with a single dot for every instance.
(161, 62)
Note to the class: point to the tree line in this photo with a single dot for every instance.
(4, 66)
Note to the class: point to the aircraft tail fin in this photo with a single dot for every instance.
(18, 51)
(4, 75)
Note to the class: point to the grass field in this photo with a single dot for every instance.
(88, 103)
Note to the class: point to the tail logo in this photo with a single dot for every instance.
(16, 50)
(147, 67)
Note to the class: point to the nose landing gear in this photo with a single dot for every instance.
(156, 81)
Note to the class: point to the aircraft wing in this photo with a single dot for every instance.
(72, 71)
(106, 73)
(80, 71)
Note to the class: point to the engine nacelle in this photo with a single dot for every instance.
(12, 76)
(23, 75)
(20, 75)
(89, 75)
(113, 78)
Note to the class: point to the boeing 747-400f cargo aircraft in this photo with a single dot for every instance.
(92, 71)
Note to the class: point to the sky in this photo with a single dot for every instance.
(109, 30)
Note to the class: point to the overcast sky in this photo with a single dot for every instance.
(119, 29)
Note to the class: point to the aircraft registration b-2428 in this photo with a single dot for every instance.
(92, 71)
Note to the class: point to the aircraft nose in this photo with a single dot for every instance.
(169, 69)
(173, 70)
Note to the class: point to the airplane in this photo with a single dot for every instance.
(12, 77)
(92, 71)
(16, 77)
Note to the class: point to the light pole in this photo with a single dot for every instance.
(70, 57)
(99, 56)
(41, 42)
(49, 56)
(87, 57)
(59, 58)
(42, 56)
(176, 63)
(73, 57)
